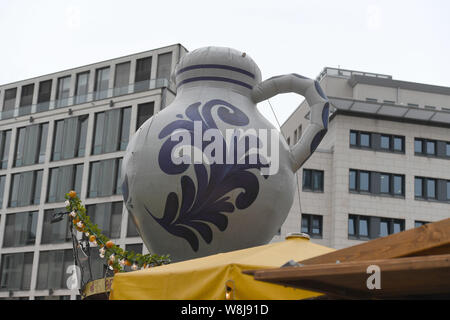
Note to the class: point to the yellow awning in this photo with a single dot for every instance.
(206, 278)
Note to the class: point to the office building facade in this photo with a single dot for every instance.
(63, 131)
(383, 166)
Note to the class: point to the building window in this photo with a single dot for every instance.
(358, 227)
(16, 271)
(399, 143)
(288, 141)
(58, 232)
(44, 94)
(25, 188)
(2, 190)
(122, 78)
(104, 179)
(131, 227)
(5, 143)
(142, 75)
(20, 229)
(9, 101)
(390, 226)
(359, 181)
(69, 140)
(82, 87)
(391, 184)
(447, 149)
(312, 180)
(418, 224)
(101, 83)
(425, 188)
(31, 144)
(360, 139)
(424, 146)
(312, 225)
(112, 130)
(108, 217)
(26, 99)
(136, 248)
(63, 92)
(448, 191)
(63, 179)
(145, 111)
(52, 272)
(164, 66)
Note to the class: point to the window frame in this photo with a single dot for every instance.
(310, 218)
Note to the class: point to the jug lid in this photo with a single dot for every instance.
(219, 65)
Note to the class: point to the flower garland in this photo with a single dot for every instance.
(117, 257)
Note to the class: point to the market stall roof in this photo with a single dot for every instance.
(209, 277)
(415, 262)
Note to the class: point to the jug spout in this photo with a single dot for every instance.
(317, 101)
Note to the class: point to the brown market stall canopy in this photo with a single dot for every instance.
(415, 262)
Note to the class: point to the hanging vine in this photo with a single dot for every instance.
(116, 257)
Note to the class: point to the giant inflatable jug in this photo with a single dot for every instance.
(191, 181)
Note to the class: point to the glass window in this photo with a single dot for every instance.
(26, 96)
(398, 185)
(363, 227)
(15, 271)
(136, 248)
(63, 179)
(352, 180)
(398, 144)
(353, 140)
(5, 143)
(9, 101)
(101, 83)
(164, 66)
(142, 75)
(122, 78)
(317, 180)
(365, 140)
(431, 188)
(131, 227)
(44, 94)
(418, 146)
(418, 187)
(63, 92)
(25, 188)
(81, 90)
(312, 225)
(316, 225)
(20, 229)
(431, 147)
(99, 128)
(385, 142)
(145, 111)
(52, 269)
(104, 179)
(448, 190)
(351, 226)
(385, 183)
(364, 181)
(384, 228)
(31, 145)
(418, 224)
(307, 180)
(125, 128)
(397, 226)
(57, 232)
(447, 150)
(108, 217)
(2, 189)
(70, 138)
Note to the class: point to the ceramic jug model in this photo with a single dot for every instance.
(197, 208)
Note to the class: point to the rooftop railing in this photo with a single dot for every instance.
(349, 73)
(89, 97)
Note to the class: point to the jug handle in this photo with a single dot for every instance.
(319, 106)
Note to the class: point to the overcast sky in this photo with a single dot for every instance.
(409, 40)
